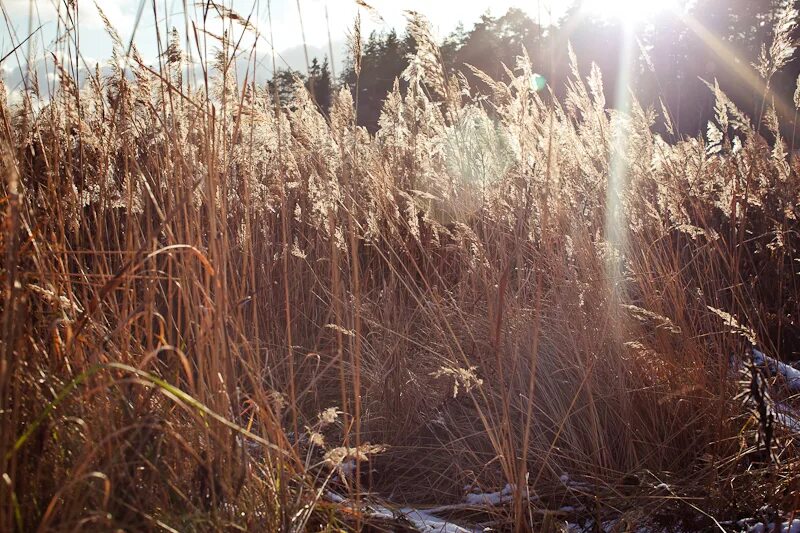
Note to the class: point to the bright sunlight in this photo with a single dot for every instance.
(628, 11)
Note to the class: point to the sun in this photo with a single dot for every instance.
(628, 11)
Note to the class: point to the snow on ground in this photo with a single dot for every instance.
(786, 527)
(423, 521)
(578, 486)
(491, 498)
(790, 374)
(428, 523)
(786, 415)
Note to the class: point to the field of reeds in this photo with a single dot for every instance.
(226, 312)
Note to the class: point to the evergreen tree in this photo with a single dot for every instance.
(284, 81)
(384, 58)
(320, 85)
(719, 39)
(492, 43)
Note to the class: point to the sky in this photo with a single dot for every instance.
(95, 46)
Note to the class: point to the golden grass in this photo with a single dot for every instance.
(212, 301)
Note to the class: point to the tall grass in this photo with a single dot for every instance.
(214, 302)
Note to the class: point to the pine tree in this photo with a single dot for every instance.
(320, 85)
(384, 58)
(284, 81)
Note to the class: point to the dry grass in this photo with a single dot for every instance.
(211, 301)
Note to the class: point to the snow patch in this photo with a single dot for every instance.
(786, 527)
(790, 374)
(423, 521)
(428, 523)
(491, 498)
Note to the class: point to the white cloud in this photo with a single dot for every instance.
(121, 14)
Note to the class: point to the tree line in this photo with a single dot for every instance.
(718, 40)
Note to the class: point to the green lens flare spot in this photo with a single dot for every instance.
(538, 82)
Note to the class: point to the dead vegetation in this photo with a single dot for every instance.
(218, 311)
